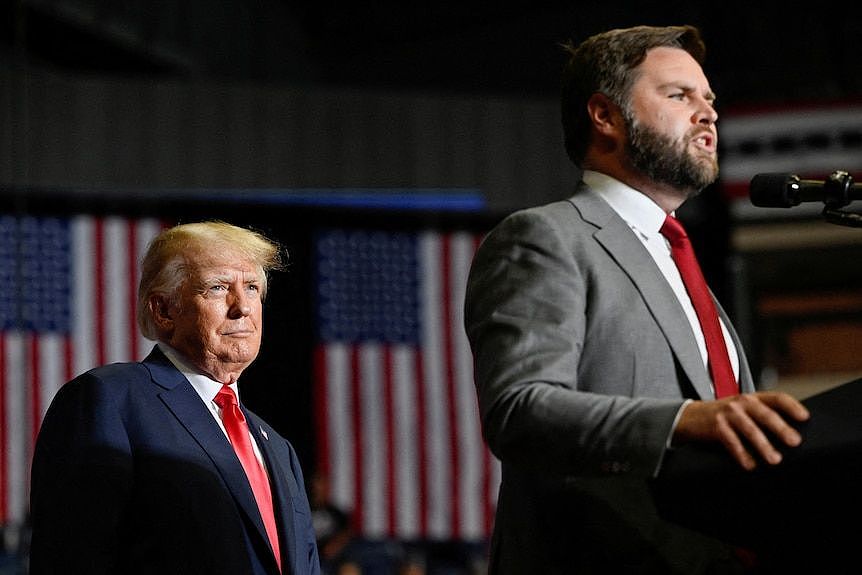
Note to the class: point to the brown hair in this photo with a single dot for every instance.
(606, 63)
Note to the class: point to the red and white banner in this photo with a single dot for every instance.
(398, 424)
(811, 142)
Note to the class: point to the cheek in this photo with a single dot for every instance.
(208, 322)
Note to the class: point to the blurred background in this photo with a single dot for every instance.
(377, 143)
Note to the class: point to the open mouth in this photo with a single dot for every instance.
(705, 141)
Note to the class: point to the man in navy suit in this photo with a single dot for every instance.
(133, 471)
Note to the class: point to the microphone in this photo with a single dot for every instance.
(787, 190)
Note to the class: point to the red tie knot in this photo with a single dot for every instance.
(673, 230)
(225, 397)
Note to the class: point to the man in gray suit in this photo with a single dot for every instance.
(590, 362)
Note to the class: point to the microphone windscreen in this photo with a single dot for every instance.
(774, 190)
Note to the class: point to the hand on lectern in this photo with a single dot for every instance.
(747, 425)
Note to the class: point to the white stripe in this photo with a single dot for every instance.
(470, 445)
(373, 438)
(766, 124)
(17, 426)
(437, 439)
(339, 416)
(406, 435)
(83, 293)
(52, 368)
(115, 269)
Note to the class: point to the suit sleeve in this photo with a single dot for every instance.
(80, 482)
(526, 318)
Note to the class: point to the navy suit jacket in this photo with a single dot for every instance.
(131, 474)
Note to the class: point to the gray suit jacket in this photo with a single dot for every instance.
(583, 357)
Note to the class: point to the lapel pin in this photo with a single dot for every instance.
(262, 432)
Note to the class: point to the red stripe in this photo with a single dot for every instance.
(356, 419)
(421, 446)
(99, 288)
(451, 392)
(35, 388)
(132, 251)
(321, 423)
(4, 436)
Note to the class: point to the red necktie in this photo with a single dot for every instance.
(237, 431)
(719, 361)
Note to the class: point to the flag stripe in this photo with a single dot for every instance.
(99, 292)
(404, 430)
(115, 287)
(358, 455)
(17, 428)
(131, 290)
(35, 395)
(389, 438)
(421, 445)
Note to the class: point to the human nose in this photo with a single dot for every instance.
(240, 304)
(705, 113)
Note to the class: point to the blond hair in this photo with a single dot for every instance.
(169, 258)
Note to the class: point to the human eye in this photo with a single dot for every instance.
(216, 288)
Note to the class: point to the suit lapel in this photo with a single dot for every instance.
(183, 401)
(617, 238)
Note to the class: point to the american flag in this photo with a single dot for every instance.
(398, 427)
(67, 304)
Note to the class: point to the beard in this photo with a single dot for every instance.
(666, 161)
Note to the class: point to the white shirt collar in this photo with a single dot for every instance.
(637, 209)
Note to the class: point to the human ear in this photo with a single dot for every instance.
(160, 309)
(604, 114)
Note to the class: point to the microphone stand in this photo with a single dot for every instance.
(837, 189)
(842, 218)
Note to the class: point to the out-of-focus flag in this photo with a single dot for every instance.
(67, 305)
(398, 425)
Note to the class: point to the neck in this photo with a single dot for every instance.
(665, 196)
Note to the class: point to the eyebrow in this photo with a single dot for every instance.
(226, 279)
(674, 85)
(710, 95)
